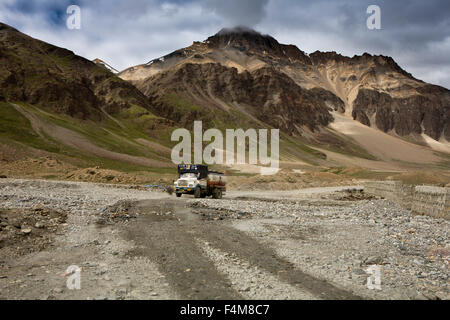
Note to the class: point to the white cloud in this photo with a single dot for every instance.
(125, 33)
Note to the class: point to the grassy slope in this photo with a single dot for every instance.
(111, 136)
(15, 128)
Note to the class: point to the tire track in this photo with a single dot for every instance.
(172, 242)
(164, 240)
(249, 280)
(228, 239)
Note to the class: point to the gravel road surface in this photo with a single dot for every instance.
(134, 243)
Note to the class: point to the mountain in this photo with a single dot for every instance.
(287, 88)
(333, 111)
(58, 102)
(56, 79)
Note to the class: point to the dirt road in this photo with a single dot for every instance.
(175, 243)
(132, 243)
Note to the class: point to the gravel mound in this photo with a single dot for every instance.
(24, 231)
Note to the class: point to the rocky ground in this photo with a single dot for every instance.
(337, 241)
(136, 243)
(26, 230)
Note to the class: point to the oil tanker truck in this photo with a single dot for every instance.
(199, 181)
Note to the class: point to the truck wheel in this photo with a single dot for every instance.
(178, 195)
(197, 192)
(217, 194)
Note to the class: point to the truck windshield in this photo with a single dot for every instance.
(188, 175)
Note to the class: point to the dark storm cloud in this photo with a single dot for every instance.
(415, 33)
(239, 12)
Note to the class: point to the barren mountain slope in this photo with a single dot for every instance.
(373, 90)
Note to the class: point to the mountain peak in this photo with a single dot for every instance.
(253, 42)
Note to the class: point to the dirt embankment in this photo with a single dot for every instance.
(55, 168)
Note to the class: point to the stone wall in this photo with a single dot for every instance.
(432, 201)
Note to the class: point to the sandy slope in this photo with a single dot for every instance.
(382, 145)
(441, 145)
(339, 159)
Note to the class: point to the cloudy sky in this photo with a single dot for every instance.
(416, 33)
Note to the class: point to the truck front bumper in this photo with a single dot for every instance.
(186, 190)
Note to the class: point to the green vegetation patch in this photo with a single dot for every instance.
(14, 126)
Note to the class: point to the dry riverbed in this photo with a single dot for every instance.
(135, 243)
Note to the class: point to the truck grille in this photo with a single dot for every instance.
(182, 183)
